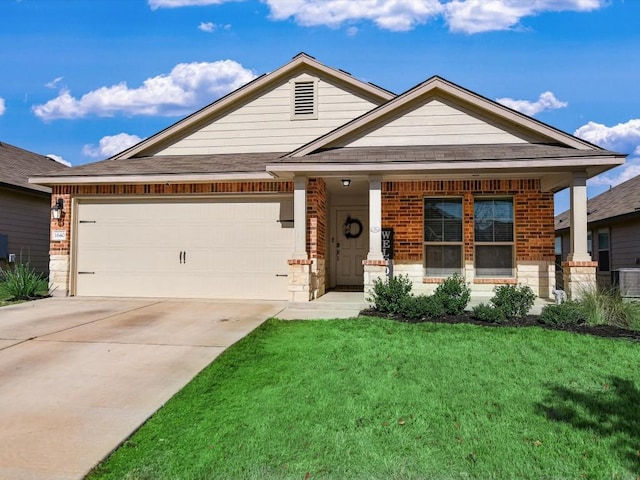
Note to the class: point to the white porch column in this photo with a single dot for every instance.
(300, 217)
(375, 218)
(578, 219)
(579, 271)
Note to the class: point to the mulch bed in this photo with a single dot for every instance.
(605, 331)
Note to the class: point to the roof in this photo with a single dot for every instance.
(17, 165)
(175, 164)
(621, 200)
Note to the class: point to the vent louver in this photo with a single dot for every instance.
(304, 98)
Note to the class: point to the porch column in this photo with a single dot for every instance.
(375, 219)
(375, 265)
(579, 269)
(300, 217)
(300, 265)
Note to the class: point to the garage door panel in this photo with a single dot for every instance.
(234, 249)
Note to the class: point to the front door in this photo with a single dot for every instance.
(352, 245)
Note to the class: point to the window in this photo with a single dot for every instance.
(603, 250)
(442, 236)
(558, 252)
(304, 99)
(494, 238)
(590, 244)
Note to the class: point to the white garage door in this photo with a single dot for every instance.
(231, 248)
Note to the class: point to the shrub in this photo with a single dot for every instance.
(22, 282)
(607, 307)
(515, 301)
(565, 314)
(488, 313)
(387, 296)
(421, 307)
(454, 294)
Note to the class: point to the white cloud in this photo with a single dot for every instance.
(207, 27)
(476, 16)
(3, 108)
(546, 101)
(54, 83)
(617, 175)
(465, 16)
(187, 86)
(210, 27)
(110, 145)
(58, 159)
(155, 4)
(395, 15)
(623, 137)
(352, 31)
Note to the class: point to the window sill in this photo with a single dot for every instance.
(502, 281)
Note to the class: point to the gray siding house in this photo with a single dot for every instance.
(24, 208)
(613, 230)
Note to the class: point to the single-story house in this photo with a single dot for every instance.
(285, 188)
(613, 230)
(24, 208)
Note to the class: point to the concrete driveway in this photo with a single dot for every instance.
(79, 375)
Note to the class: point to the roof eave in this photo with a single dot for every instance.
(154, 178)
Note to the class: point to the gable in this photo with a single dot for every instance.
(437, 122)
(292, 113)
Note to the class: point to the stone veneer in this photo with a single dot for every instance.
(579, 277)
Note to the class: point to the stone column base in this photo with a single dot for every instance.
(578, 278)
(300, 280)
(373, 269)
(59, 275)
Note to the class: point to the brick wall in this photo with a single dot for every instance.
(67, 192)
(316, 217)
(402, 210)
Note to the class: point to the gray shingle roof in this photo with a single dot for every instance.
(17, 165)
(175, 164)
(431, 153)
(621, 200)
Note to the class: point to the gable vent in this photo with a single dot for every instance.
(304, 99)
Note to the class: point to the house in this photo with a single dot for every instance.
(284, 188)
(613, 228)
(24, 208)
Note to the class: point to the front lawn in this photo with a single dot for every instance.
(376, 399)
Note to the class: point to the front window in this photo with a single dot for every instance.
(494, 237)
(442, 236)
(558, 252)
(603, 251)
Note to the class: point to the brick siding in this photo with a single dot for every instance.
(316, 217)
(403, 203)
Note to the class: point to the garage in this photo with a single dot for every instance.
(233, 248)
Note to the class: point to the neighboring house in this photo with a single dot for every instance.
(24, 208)
(613, 230)
(284, 188)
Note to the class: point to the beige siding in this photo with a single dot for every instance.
(25, 218)
(436, 123)
(265, 124)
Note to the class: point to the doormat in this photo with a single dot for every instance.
(348, 288)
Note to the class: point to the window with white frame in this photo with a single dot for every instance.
(493, 231)
(603, 250)
(304, 98)
(443, 240)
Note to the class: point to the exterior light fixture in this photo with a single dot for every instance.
(346, 182)
(56, 210)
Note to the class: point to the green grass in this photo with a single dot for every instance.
(7, 298)
(375, 399)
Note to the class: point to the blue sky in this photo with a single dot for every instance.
(82, 80)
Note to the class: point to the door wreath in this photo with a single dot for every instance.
(349, 230)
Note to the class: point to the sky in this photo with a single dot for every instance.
(82, 80)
